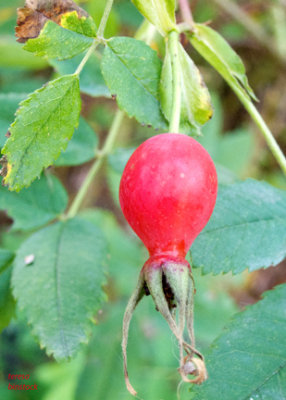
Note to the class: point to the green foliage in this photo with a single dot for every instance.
(247, 229)
(245, 361)
(81, 148)
(61, 289)
(44, 124)
(132, 71)
(232, 150)
(57, 42)
(196, 107)
(91, 79)
(160, 13)
(211, 45)
(125, 256)
(42, 202)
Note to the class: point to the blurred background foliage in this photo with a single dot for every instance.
(238, 151)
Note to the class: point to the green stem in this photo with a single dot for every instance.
(97, 40)
(273, 145)
(103, 22)
(108, 145)
(173, 46)
(86, 57)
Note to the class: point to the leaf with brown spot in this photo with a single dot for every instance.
(32, 17)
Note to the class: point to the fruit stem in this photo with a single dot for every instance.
(108, 145)
(173, 47)
(268, 136)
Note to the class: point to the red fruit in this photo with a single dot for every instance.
(167, 194)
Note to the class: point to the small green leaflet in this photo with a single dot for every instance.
(132, 72)
(91, 80)
(248, 361)
(61, 290)
(212, 46)
(44, 124)
(57, 42)
(81, 148)
(7, 303)
(196, 108)
(247, 229)
(160, 13)
(42, 202)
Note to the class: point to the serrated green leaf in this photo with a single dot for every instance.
(132, 71)
(61, 290)
(160, 13)
(84, 25)
(6, 256)
(91, 80)
(247, 229)
(42, 202)
(212, 46)
(57, 42)
(81, 148)
(196, 108)
(7, 303)
(248, 362)
(44, 124)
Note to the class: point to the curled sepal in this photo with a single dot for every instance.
(133, 301)
(170, 283)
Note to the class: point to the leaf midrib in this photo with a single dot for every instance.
(57, 291)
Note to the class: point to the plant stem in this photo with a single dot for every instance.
(173, 46)
(108, 145)
(186, 12)
(273, 145)
(86, 57)
(104, 18)
(97, 40)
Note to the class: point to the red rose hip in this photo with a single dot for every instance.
(168, 191)
(167, 194)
